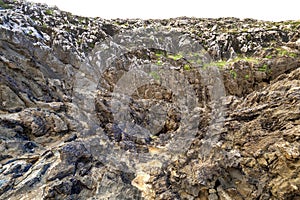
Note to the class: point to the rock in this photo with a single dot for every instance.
(298, 43)
(180, 108)
(140, 182)
(7, 95)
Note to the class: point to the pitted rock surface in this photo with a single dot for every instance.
(67, 132)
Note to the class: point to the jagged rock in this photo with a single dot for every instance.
(179, 108)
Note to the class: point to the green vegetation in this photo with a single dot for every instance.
(175, 57)
(247, 59)
(154, 75)
(247, 76)
(284, 52)
(4, 5)
(269, 56)
(219, 64)
(279, 52)
(159, 62)
(199, 62)
(83, 21)
(91, 45)
(263, 68)
(249, 37)
(122, 24)
(80, 41)
(160, 54)
(293, 24)
(44, 26)
(186, 67)
(49, 12)
(233, 73)
(222, 63)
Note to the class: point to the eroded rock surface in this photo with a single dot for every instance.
(179, 108)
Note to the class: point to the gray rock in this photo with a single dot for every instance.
(84, 114)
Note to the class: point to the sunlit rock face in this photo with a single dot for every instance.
(179, 108)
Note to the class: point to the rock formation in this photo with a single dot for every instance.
(179, 108)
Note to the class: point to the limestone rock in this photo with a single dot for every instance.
(179, 108)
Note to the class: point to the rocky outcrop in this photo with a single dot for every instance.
(179, 108)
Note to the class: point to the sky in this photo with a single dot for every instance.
(157, 9)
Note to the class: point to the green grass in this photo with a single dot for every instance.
(248, 59)
(186, 67)
(44, 26)
(159, 62)
(293, 55)
(293, 24)
(4, 5)
(124, 25)
(49, 12)
(80, 41)
(263, 68)
(222, 63)
(269, 56)
(284, 52)
(154, 75)
(233, 73)
(280, 52)
(91, 45)
(175, 57)
(219, 64)
(159, 54)
(199, 61)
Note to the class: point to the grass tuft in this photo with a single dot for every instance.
(4, 5)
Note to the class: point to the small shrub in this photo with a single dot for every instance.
(284, 52)
(44, 26)
(159, 62)
(263, 68)
(49, 12)
(160, 54)
(186, 67)
(291, 54)
(91, 45)
(233, 74)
